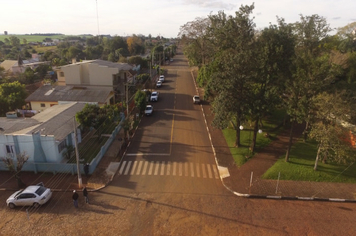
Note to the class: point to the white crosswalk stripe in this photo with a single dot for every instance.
(169, 168)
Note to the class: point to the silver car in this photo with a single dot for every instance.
(33, 195)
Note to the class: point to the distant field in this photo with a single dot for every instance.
(33, 38)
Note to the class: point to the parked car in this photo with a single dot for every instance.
(154, 96)
(158, 84)
(149, 110)
(33, 195)
(196, 99)
(161, 78)
(171, 59)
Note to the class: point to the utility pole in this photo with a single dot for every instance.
(127, 99)
(77, 154)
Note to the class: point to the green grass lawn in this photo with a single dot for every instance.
(269, 126)
(32, 38)
(301, 164)
(302, 156)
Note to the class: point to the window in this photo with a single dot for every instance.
(61, 146)
(43, 105)
(10, 149)
(61, 74)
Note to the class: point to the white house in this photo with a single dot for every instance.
(43, 137)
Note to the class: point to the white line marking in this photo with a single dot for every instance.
(191, 169)
(151, 168)
(174, 168)
(156, 168)
(133, 168)
(198, 173)
(145, 168)
(139, 168)
(128, 167)
(122, 167)
(216, 173)
(147, 154)
(209, 171)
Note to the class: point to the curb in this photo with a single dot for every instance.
(274, 197)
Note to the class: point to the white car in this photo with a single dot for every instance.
(159, 84)
(33, 195)
(196, 99)
(154, 96)
(161, 78)
(171, 59)
(149, 110)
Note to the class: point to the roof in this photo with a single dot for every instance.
(31, 189)
(109, 64)
(55, 121)
(47, 93)
(8, 64)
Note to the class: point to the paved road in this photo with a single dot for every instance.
(171, 152)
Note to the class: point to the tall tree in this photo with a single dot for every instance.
(194, 35)
(274, 52)
(312, 68)
(232, 66)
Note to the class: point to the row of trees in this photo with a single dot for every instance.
(249, 73)
(115, 49)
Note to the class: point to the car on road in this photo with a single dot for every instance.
(196, 99)
(158, 84)
(161, 78)
(33, 195)
(154, 96)
(148, 110)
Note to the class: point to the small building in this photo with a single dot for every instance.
(48, 96)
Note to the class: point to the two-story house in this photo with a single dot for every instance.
(97, 74)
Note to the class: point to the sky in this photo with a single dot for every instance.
(158, 17)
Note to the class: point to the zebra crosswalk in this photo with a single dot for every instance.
(169, 168)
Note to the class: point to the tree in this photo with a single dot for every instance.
(330, 127)
(312, 70)
(231, 67)
(135, 45)
(137, 60)
(74, 52)
(140, 100)
(94, 116)
(273, 53)
(194, 35)
(14, 94)
(14, 41)
(16, 169)
(157, 54)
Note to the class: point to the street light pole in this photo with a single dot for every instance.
(77, 154)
